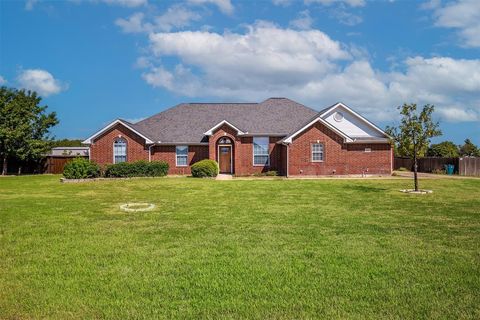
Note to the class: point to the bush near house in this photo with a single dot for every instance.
(137, 169)
(81, 168)
(205, 168)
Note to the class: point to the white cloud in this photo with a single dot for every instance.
(311, 67)
(30, 4)
(224, 5)
(40, 81)
(352, 3)
(283, 3)
(463, 15)
(174, 17)
(126, 3)
(132, 24)
(2, 80)
(303, 22)
(345, 17)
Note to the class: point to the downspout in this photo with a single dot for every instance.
(287, 160)
(150, 153)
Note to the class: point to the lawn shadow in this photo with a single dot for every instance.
(365, 188)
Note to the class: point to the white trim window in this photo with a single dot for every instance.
(181, 154)
(119, 150)
(317, 152)
(261, 155)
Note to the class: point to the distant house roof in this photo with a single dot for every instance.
(188, 122)
(69, 151)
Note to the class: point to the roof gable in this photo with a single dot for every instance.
(124, 123)
(351, 123)
(289, 138)
(221, 123)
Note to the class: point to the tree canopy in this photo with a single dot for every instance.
(412, 136)
(446, 149)
(24, 126)
(469, 149)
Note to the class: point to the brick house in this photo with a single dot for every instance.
(246, 138)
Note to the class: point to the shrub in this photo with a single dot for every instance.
(271, 173)
(137, 169)
(81, 168)
(205, 168)
(439, 171)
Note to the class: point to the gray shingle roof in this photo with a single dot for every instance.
(187, 122)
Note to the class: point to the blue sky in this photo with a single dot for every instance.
(94, 61)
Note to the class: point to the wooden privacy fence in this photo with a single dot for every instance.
(469, 166)
(55, 164)
(465, 166)
(427, 164)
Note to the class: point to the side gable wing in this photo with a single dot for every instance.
(353, 124)
(290, 137)
(90, 139)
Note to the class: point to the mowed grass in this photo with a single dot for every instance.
(260, 249)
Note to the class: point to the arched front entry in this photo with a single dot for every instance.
(225, 155)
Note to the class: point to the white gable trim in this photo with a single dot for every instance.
(289, 139)
(221, 123)
(339, 104)
(90, 139)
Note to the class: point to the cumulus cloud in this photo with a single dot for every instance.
(174, 17)
(303, 22)
(126, 3)
(133, 24)
(2, 80)
(462, 15)
(309, 66)
(224, 5)
(40, 81)
(30, 4)
(352, 3)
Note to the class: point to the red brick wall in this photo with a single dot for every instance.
(101, 150)
(338, 157)
(168, 154)
(243, 152)
(343, 158)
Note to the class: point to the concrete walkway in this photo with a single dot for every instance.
(222, 176)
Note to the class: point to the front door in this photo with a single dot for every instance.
(225, 159)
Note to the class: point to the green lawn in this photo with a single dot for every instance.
(277, 249)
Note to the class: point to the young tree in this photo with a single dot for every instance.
(24, 126)
(413, 135)
(469, 149)
(445, 149)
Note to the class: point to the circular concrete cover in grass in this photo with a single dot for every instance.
(137, 207)
(420, 191)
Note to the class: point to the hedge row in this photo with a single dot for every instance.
(137, 169)
(81, 168)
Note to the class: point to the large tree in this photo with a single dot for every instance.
(24, 126)
(469, 149)
(445, 149)
(412, 136)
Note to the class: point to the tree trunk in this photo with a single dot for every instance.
(415, 170)
(19, 170)
(5, 164)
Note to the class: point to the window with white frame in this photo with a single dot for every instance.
(119, 150)
(260, 151)
(182, 155)
(317, 152)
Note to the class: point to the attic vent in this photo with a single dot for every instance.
(338, 116)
